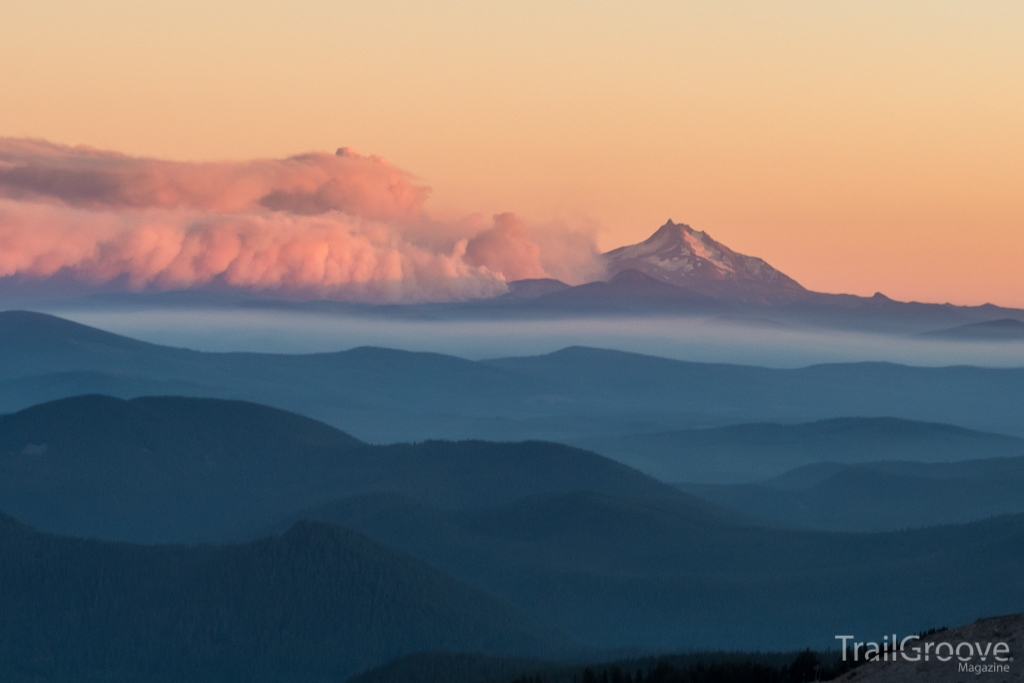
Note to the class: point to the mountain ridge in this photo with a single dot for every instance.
(750, 453)
(385, 396)
(1002, 329)
(172, 469)
(618, 573)
(709, 277)
(878, 496)
(679, 255)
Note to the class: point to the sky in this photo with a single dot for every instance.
(856, 146)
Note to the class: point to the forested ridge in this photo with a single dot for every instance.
(317, 603)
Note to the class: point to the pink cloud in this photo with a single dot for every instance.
(330, 255)
(315, 225)
(305, 184)
(506, 248)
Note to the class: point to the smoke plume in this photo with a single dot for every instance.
(317, 225)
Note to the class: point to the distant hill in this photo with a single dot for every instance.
(33, 344)
(628, 291)
(877, 496)
(735, 392)
(317, 603)
(1003, 329)
(752, 452)
(161, 469)
(185, 469)
(521, 290)
(383, 395)
(613, 572)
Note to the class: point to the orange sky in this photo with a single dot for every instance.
(857, 146)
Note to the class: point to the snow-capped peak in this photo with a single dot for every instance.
(679, 255)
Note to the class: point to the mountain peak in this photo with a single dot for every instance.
(681, 256)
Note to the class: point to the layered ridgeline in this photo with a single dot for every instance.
(846, 474)
(382, 395)
(680, 271)
(317, 603)
(590, 548)
(614, 572)
(1000, 329)
(877, 496)
(186, 469)
(751, 453)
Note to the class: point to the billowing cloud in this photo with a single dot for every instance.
(330, 255)
(306, 184)
(506, 248)
(316, 225)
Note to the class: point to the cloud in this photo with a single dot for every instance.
(506, 248)
(304, 184)
(331, 255)
(318, 225)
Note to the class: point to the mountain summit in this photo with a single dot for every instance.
(681, 256)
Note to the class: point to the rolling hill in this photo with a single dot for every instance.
(1000, 330)
(186, 469)
(752, 452)
(615, 573)
(877, 496)
(382, 395)
(317, 603)
(601, 552)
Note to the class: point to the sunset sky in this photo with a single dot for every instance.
(857, 146)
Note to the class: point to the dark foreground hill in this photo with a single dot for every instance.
(1007, 629)
(877, 496)
(185, 469)
(383, 395)
(689, 667)
(916, 662)
(318, 603)
(619, 573)
(752, 452)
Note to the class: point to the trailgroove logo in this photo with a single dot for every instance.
(972, 657)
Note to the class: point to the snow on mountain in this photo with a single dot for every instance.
(681, 256)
